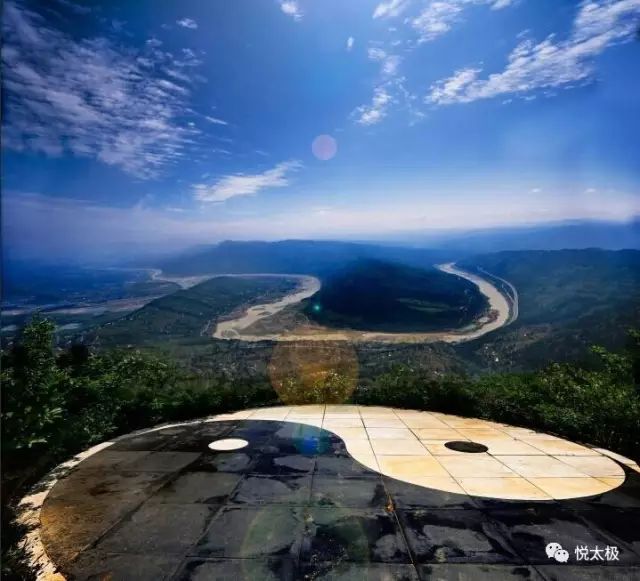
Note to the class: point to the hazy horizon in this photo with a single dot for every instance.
(156, 126)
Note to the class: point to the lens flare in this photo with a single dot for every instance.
(313, 372)
(324, 147)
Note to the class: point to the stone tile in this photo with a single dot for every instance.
(612, 481)
(164, 529)
(342, 423)
(286, 464)
(423, 422)
(123, 567)
(270, 415)
(588, 573)
(350, 434)
(530, 531)
(70, 526)
(597, 466)
(624, 496)
(250, 532)
(308, 409)
(348, 492)
(299, 431)
(384, 422)
(561, 488)
(477, 572)
(510, 448)
(390, 434)
(618, 457)
(428, 492)
(391, 447)
(235, 462)
(476, 434)
(349, 534)
(617, 524)
(455, 536)
(507, 488)
(457, 422)
(343, 467)
(165, 461)
(562, 447)
(445, 434)
(345, 409)
(348, 571)
(258, 489)
(148, 442)
(112, 459)
(92, 484)
(375, 412)
(539, 467)
(410, 467)
(198, 487)
(474, 464)
(275, 569)
(438, 448)
(359, 447)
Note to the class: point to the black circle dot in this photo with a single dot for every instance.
(469, 447)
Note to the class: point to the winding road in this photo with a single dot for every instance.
(502, 311)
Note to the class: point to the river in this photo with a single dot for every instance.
(500, 313)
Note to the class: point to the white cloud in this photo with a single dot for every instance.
(551, 63)
(390, 8)
(377, 110)
(438, 16)
(291, 8)
(215, 120)
(246, 184)
(187, 23)
(387, 86)
(93, 98)
(350, 42)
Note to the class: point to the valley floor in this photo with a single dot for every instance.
(257, 323)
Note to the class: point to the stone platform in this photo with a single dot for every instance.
(343, 492)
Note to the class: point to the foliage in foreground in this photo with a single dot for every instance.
(599, 405)
(56, 404)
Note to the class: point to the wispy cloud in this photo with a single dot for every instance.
(93, 98)
(291, 8)
(390, 8)
(438, 16)
(551, 63)
(350, 42)
(187, 23)
(376, 111)
(235, 185)
(215, 120)
(386, 85)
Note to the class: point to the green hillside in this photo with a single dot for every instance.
(382, 296)
(188, 314)
(568, 300)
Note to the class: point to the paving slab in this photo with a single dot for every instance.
(373, 494)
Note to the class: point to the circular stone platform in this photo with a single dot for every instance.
(337, 492)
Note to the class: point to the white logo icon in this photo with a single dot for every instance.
(555, 551)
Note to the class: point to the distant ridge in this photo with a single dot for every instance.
(291, 256)
(554, 236)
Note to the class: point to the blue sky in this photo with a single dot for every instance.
(162, 124)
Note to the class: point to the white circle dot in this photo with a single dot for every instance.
(228, 444)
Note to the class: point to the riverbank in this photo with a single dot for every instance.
(240, 328)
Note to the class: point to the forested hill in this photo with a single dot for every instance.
(568, 300)
(383, 296)
(292, 257)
